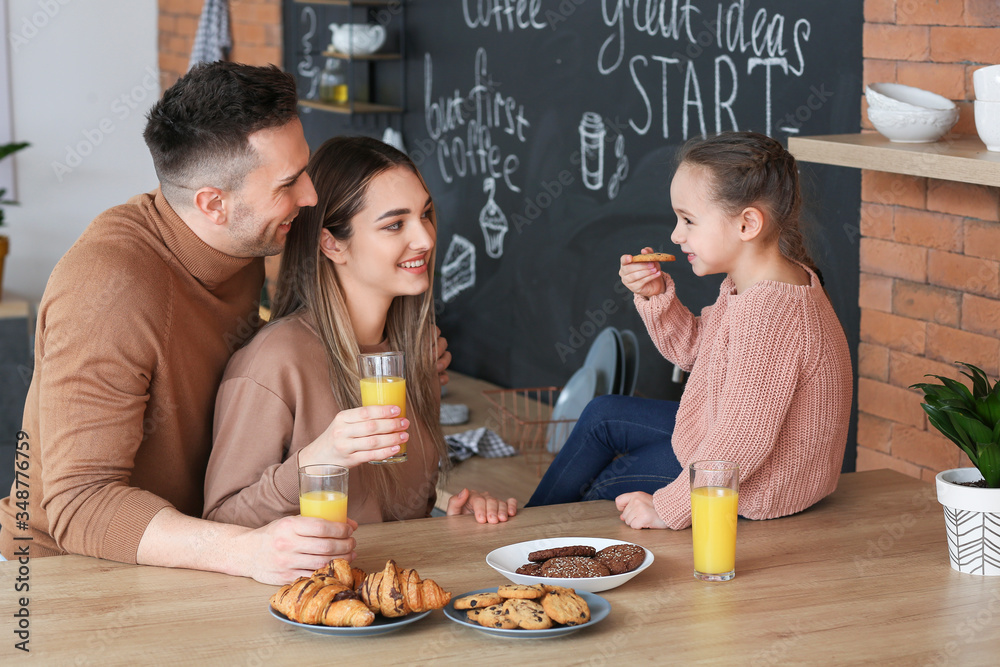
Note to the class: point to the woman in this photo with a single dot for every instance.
(355, 277)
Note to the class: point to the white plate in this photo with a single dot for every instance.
(506, 560)
(605, 356)
(381, 626)
(572, 400)
(630, 374)
(599, 610)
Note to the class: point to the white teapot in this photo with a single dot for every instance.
(357, 39)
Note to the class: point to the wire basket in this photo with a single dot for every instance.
(523, 418)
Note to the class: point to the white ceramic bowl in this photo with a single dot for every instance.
(897, 97)
(913, 127)
(988, 123)
(506, 560)
(987, 83)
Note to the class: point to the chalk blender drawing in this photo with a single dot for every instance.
(493, 221)
(621, 168)
(458, 272)
(592, 133)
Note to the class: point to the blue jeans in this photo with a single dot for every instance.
(620, 444)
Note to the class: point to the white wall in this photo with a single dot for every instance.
(83, 75)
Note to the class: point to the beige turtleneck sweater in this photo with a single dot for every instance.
(135, 328)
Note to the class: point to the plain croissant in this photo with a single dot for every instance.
(397, 592)
(322, 601)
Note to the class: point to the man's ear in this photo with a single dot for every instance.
(751, 223)
(331, 247)
(211, 203)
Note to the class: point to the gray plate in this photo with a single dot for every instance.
(599, 610)
(605, 356)
(381, 626)
(630, 373)
(573, 398)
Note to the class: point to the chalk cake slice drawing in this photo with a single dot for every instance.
(459, 269)
(592, 133)
(493, 221)
(621, 169)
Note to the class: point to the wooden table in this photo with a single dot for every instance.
(861, 578)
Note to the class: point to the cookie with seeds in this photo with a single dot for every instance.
(621, 558)
(574, 567)
(530, 569)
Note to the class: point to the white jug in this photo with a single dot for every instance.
(357, 39)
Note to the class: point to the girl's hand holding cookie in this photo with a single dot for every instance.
(643, 278)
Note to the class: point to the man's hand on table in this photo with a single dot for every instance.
(486, 508)
(295, 546)
(638, 511)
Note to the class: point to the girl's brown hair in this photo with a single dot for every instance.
(341, 171)
(752, 169)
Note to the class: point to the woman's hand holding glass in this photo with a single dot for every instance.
(357, 436)
(643, 278)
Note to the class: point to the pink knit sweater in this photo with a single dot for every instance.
(769, 388)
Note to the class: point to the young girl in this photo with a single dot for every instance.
(770, 373)
(355, 277)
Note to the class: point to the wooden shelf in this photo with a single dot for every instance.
(359, 107)
(962, 158)
(371, 56)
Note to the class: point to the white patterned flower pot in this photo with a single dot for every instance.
(972, 520)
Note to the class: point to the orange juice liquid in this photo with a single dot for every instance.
(329, 505)
(389, 390)
(713, 529)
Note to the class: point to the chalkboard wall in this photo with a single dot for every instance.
(546, 131)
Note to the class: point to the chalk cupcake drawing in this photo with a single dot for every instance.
(592, 133)
(493, 221)
(458, 272)
(621, 168)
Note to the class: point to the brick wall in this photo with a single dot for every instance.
(256, 31)
(930, 249)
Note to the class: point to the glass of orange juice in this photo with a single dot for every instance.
(383, 383)
(714, 497)
(323, 492)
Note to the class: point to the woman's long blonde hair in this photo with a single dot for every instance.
(342, 170)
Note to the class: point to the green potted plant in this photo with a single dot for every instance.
(5, 150)
(971, 496)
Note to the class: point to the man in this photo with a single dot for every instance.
(135, 328)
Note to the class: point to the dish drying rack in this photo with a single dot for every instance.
(523, 418)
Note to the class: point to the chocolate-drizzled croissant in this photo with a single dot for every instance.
(321, 601)
(397, 592)
(340, 570)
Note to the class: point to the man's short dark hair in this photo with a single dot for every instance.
(197, 133)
